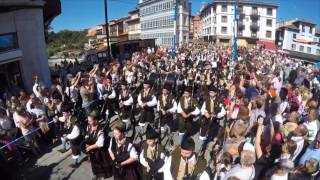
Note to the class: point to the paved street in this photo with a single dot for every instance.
(55, 166)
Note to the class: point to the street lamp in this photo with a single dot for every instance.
(107, 27)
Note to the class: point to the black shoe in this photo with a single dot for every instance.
(74, 165)
(62, 150)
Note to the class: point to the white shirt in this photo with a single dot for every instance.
(127, 102)
(195, 112)
(166, 169)
(132, 151)
(100, 89)
(219, 115)
(74, 133)
(143, 161)
(312, 129)
(171, 110)
(300, 143)
(73, 93)
(151, 103)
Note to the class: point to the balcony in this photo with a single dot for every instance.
(241, 25)
(240, 34)
(254, 35)
(254, 15)
(254, 26)
(241, 13)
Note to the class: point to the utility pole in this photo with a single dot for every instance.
(107, 28)
(174, 29)
(235, 35)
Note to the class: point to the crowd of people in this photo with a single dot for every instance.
(253, 118)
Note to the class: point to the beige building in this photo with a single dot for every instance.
(134, 28)
(23, 49)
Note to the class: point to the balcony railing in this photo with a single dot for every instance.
(254, 26)
(254, 14)
(240, 25)
(241, 13)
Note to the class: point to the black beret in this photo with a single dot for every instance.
(151, 133)
(188, 89)
(188, 144)
(147, 82)
(167, 87)
(121, 127)
(66, 107)
(213, 88)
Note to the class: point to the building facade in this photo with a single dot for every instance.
(195, 27)
(257, 21)
(23, 49)
(299, 36)
(157, 21)
(134, 28)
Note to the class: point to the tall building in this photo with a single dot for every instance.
(257, 22)
(299, 38)
(157, 21)
(134, 28)
(23, 49)
(195, 27)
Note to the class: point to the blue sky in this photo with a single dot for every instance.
(81, 14)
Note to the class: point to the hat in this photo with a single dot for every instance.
(66, 107)
(188, 144)
(147, 82)
(188, 89)
(213, 88)
(248, 146)
(124, 83)
(167, 87)
(151, 133)
(121, 127)
(93, 114)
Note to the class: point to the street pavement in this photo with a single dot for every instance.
(54, 165)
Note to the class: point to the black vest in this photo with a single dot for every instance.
(200, 165)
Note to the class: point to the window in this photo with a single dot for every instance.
(8, 42)
(294, 35)
(224, 19)
(269, 22)
(310, 30)
(303, 28)
(309, 50)
(301, 48)
(318, 52)
(268, 34)
(293, 47)
(224, 8)
(223, 30)
(269, 11)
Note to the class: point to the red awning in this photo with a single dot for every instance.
(270, 45)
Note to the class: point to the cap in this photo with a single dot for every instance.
(167, 87)
(151, 133)
(124, 83)
(213, 88)
(66, 107)
(188, 89)
(121, 127)
(188, 144)
(147, 82)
